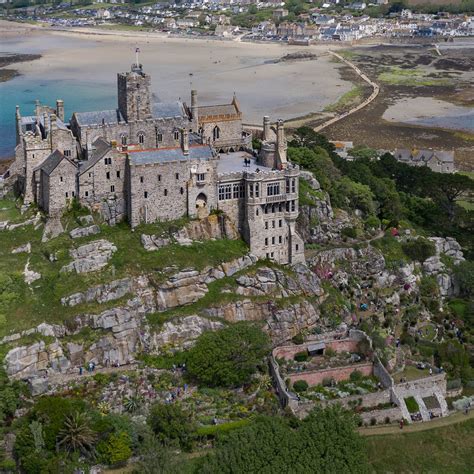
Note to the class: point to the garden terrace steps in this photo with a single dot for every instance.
(400, 401)
(425, 415)
(442, 403)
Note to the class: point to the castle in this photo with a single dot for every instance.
(147, 162)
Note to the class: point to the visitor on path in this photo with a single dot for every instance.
(80, 370)
(401, 424)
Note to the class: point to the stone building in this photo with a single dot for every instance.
(441, 161)
(147, 162)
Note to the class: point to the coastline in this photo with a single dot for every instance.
(6, 60)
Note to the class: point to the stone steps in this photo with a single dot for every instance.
(442, 403)
(399, 399)
(425, 414)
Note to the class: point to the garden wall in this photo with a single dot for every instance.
(382, 374)
(285, 397)
(337, 345)
(316, 377)
(394, 414)
(423, 387)
(369, 400)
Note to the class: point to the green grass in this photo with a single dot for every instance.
(347, 100)
(307, 195)
(410, 373)
(391, 250)
(446, 450)
(22, 307)
(395, 75)
(412, 405)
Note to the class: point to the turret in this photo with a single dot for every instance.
(185, 141)
(134, 94)
(60, 109)
(266, 128)
(194, 106)
(18, 125)
(281, 146)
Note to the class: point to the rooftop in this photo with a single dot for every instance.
(234, 162)
(163, 155)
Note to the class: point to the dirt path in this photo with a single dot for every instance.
(458, 417)
(375, 93)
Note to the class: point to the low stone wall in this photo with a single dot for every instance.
(284, 395)
(394, 414)
(369, 400)
(382, 373)
(339, 374)
(423, 387)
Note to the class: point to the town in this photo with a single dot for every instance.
(295, 22)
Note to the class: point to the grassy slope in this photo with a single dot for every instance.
(442, 450)
(22, 307)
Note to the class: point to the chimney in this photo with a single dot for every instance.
(37, 107)
(280, 133)
(185, 141)
(60, 109)
(52, 121)
(46, 123)
(266, 128)
(194, 106)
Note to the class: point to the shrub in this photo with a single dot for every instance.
(419, 249)
(356, 376)
(300, 386)
(350, 232)
(118, 449)
(298, 339)
(301, 356)
(227, 357)
(372, 222)
(373, 421)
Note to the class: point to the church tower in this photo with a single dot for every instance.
(134, 94)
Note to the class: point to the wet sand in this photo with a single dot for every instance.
(219, 68)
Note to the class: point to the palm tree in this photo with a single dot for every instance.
(76, 434)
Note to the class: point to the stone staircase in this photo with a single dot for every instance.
(442, 403)
(399, 399)
(425, 415)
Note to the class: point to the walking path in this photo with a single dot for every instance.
(457, 417)
(375, 93)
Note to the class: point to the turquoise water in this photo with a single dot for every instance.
(79, 95)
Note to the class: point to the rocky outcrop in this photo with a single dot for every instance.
(79, 232)
(275, 282)
(30, 275)
(53, 228)
(90, 257)
(26, 248)
(181, 333)
(152, 242)
(35, 221)
(449, 247)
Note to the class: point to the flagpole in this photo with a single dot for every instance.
(136, 57)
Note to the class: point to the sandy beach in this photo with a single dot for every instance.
(218, 68)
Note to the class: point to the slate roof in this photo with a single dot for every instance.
(32, 119)
(163, 155)
(423, 155)
(210, 110)
(53, 160)
(96, 118)
(168, 109)
(99, 149)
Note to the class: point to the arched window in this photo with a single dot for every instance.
(123, 139)
(176, 134)
(216, 133)
(141, 138)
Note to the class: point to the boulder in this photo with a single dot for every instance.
(100, 293)
(86, 220)
(152, 242)
(90, 257)
(26, 248)
(84, 231)
(30, 276)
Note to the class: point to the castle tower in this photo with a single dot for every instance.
(185, 141)
(266, 128)
(281, 146)
(18, 124)
(134, 94)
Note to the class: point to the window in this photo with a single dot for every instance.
(67, 153)
(118, 174)
(273, 240)
(61, 179)
(287, 190)
(266, 224)
(273, 189)
(225, 192)
(108, 161)
(280, 239)
(159, 178)
(176, 135)
(216, 133)
(176, 175)
(112, 189)
(238, 191)
(287, 206)
(90, 175)
(141, 138)
(280, 223)
(251, 190)
(73, 194)
(273, 224)
(123, 139)
(86, 194)
(166, 192)
(257, 190)
(159, 137)
(297, 247)
(67, 194)
(266, 240)
(293, 206)
(293, 185)
(200, 177)
(256, 212)
(145, 194)
(107, 175)
(181, 190)
(272, 254)
(141, 179)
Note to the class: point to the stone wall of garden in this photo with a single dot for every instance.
(381, 416)
(316, 377)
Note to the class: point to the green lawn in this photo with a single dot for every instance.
(410, 373)
(446, 450)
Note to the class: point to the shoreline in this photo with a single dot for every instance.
(7, 59)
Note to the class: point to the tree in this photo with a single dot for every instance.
(228, 357)
(171, 423)
(464, 273)
(326, 441)
(118, 449)
(349, 194)
(76, 434)
(306, 137)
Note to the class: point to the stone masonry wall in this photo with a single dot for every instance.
(62, 187)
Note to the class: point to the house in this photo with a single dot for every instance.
(441, 161)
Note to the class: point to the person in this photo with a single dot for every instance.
(401, 424)
(431, 371)
(80, 370)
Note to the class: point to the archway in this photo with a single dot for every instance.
(201, 206)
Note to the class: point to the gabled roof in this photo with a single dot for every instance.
(53, 160)
(99, 149)
(168, 109)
